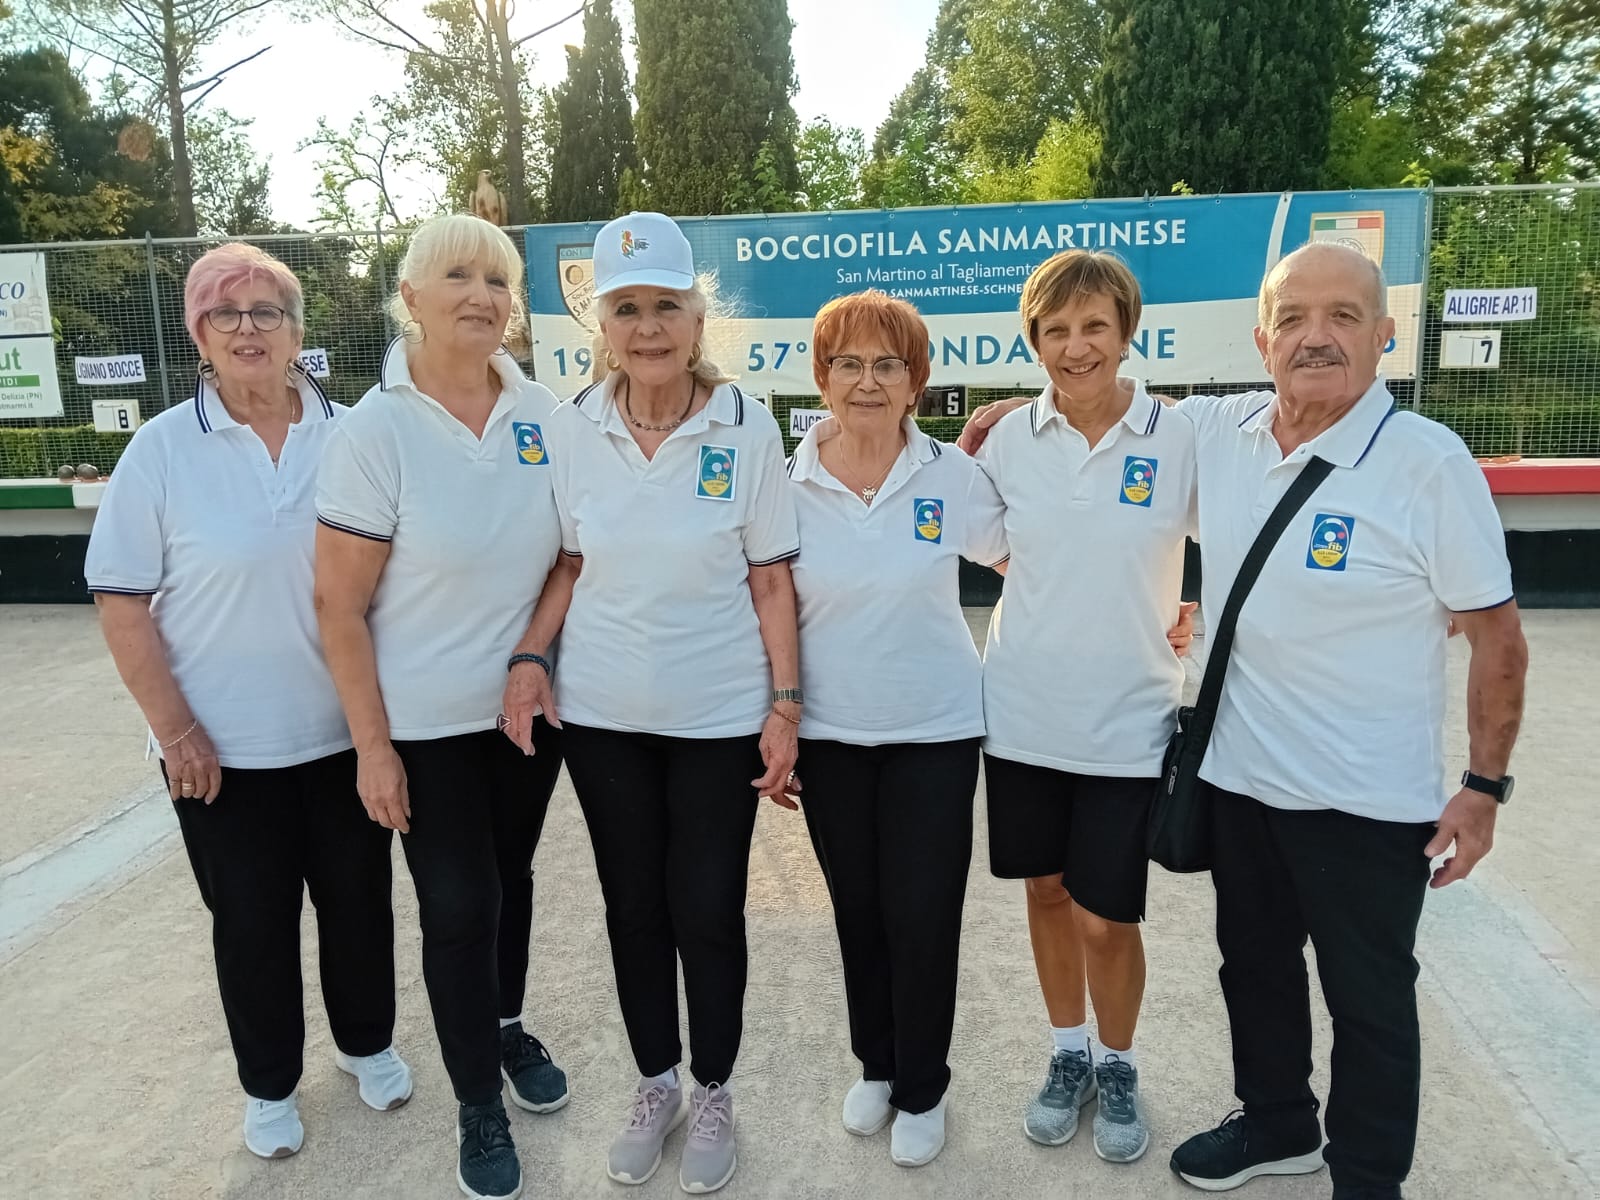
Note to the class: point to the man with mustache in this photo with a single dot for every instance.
(1325, 763)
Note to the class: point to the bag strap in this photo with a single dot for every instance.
(1310, 477)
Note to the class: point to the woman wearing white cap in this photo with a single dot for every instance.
(678, 686)
(436, 532)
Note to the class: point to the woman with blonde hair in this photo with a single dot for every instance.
(437, 529)
(679, 685)
(200, 564)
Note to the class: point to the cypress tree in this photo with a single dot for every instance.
(1224, 95)
(594, 135)
(715, 78)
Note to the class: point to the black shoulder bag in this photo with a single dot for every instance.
(1179, 834)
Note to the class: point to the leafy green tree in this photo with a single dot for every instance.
(1026, 63)
(1512, 90)
(353, 189)
(158, 45)
(594, 124)
(69, 170)
(230, 183)
(830, 160)
(1228, 95)
(715, 79)
(469, 90)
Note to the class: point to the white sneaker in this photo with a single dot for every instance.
(384, 1078)
(866, 1107)
(272, 1128)
(917, 1138)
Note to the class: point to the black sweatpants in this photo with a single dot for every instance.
(1355, 886)
(477, 808)
(892, 828)
(670, 819)
(267, 837)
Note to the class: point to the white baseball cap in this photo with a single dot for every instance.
(642, 249)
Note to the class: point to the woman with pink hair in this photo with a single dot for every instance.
(201, 566)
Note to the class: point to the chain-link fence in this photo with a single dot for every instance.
(1507, 386)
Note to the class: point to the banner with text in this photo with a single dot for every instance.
(28, 384)
(1199, 260)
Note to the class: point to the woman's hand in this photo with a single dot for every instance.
(780, 750)
(983, 419)
(1181, 634)
(193, 771)
(528, 693)
(381, 784)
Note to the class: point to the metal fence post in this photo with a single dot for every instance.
(383, 276)
(155, 313)
(1424, 376)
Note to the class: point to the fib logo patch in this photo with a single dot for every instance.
(1138, 481)
(1330, 542)
(717, 472)
(530, 443)
(928, 519)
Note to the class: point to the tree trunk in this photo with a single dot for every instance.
(172, 81)
(511, 100)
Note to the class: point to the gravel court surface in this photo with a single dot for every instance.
(116, 1079)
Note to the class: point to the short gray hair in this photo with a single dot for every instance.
(1274, 277)
(703, 301)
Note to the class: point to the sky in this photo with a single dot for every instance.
(851, 59)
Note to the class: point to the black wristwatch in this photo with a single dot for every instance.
(1500, 789)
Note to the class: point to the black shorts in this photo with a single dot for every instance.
(1090, 829)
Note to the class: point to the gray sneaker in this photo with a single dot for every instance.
(1052, 1116)
(1120, 1133)
(636, 1151)
(709, 1156)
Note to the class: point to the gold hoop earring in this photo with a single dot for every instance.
(208, 370)
(413, 332)
(611, 362)
(694, 357)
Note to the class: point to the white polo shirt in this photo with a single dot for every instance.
(1077, 673)
(472, 533)
(197, 517)
(662, 635)
(885, 652)
(1335, 694)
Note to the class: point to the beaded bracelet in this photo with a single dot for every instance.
(193, 725)
(531, 658)
(786, 717)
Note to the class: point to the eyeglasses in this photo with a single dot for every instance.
(846, 368)
(264, 318)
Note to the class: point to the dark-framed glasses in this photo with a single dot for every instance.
(847, 368)
(264, 318)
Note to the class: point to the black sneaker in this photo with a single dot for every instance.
(488, 1168)
(537, 1084)
(1236, 1151)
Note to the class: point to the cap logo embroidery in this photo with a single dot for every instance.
(631, 243)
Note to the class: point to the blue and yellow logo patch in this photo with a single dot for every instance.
(927, 519)
(530, 443)
(1138, 481)
(1330, 542)
(717, 465)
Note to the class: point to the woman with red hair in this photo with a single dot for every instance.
(201, 566)
(894, 715)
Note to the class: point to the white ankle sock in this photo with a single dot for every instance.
(1103, 1052)
(1073, 1037)
(506, 1022)
(667, 1078)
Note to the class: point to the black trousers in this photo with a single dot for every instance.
(267, 837)
(477, 808)
(670, 820)
(1354, 886)
(892, 828)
